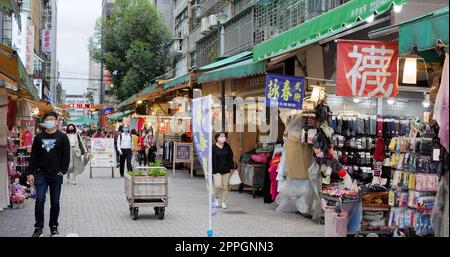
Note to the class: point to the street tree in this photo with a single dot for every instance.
(132, 44)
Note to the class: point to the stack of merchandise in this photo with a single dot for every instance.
(414, 184)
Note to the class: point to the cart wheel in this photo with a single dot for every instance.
(134, 215)
(241, 188)
(157, 211)
(161, 213)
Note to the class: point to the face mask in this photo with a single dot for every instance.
(222, 140)
(50, 124)
(126, 130)
(70, 131)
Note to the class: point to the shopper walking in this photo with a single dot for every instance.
(125, 146)
(222, 163)
(50, 159)
(143, 145)
(152, 145)
(77, 150)
(136, 148)
(116, 136)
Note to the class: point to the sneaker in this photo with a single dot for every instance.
(54, 231)
(224, 206)
(37, 232)
(216, 203)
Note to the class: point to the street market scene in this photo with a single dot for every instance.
(211, 118)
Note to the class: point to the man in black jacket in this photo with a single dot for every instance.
(50, 159)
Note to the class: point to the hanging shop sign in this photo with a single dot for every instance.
(26, 132)
(80, 106)
(107, 111)
(367, 68)
(285, 91)
(38, 84)
(46, 41)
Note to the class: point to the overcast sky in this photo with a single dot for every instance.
(76, 23)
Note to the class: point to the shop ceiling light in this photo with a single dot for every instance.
(398, 8)
(315, 95)
(139, 102)
(391, 100)
(112, 85)
(426, 101)
(371, 18)
(410, 71)
(357, 100)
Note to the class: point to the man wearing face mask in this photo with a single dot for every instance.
(50, 159)
(124, 147)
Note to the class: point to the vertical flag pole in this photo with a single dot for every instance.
(210, 182)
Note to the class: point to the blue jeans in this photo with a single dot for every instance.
(42, 183)
(354, 216)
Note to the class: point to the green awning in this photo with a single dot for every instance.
(128, 101)
(330, 23)
(85, 120)
(148, 89)
(238, 70)
(421, 33)
(119, 114)
(176, 81)
(226, 61)
(25, 81)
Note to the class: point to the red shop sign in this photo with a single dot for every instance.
(367, 68)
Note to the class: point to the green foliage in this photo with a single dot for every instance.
(134, 41)
(155, 164)
(158, 172)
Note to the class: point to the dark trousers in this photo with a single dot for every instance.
(142, 157)
(42, 183)
(126, 155)
(151, 155)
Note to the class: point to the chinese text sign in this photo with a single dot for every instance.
(367, 68)
(285, 91)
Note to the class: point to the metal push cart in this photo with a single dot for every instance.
(147, 191)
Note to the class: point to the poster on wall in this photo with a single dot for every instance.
(26, 128)
(103, 152)
(46, 41)
(366, 68)
(285, 91)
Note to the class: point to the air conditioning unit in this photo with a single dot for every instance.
(212, 21)
(205, 25)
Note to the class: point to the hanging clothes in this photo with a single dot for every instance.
(273, 166)
(441, 106)
(281, 171)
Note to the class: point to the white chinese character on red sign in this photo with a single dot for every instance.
(371, 67)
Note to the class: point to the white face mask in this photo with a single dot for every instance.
(50, 124)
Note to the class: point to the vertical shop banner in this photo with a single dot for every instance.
(367, 68)
(30, 50)
(46, 41)
(26, 132)
(285, 91)
(202, 136)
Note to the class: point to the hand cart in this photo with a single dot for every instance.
(147, 191)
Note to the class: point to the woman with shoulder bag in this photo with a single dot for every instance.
(77, 150)
(151, 141)
(222, 164)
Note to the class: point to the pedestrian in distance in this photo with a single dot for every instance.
(222, 164)
(151, 141)
(136, 148)
(125, 147)
(50, 159)
(116, 136)
(77, 150)
(143, 145)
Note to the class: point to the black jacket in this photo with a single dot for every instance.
(222, 159)
(50, 153)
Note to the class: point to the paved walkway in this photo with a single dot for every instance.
(97, 207)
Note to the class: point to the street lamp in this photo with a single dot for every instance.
(221, 19)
